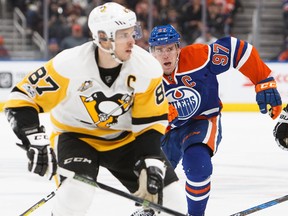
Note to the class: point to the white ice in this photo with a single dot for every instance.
(249, 169)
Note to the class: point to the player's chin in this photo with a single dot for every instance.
(167, 68)
(126, 56)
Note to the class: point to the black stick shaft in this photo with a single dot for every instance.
(140, 201)
(261, 206)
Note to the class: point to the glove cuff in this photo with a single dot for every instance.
(36, 136)
(32, 130)
(145, 163)
(283, 116)
(152, 162)
(266, 80)
(265, 84)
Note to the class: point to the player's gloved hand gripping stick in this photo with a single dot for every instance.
(151, 173)
(70, 174)
(42, 159)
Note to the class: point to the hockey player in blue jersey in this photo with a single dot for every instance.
(190, 81)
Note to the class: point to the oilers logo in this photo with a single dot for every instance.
(105, 111)
(186, 100)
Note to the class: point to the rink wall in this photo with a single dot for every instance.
(12, 72)
(236, 91)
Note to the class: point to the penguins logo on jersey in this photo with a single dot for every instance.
(185, 100)
(105, 111)
(86, 85)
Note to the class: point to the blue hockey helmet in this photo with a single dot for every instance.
(162, 35)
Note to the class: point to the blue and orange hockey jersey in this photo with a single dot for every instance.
(193, 87)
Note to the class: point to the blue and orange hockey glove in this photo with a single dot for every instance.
(267, 94)
(173, 113)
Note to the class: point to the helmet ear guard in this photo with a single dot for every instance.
(163, 35)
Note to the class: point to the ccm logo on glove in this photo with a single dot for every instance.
(267, 94)
(42, 159)
(267, 85)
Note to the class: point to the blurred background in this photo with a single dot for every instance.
(33, 30)
(246, 172)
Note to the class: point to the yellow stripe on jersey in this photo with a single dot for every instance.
(20, 103)
(45, 87)
(157, 127)
(150, 107)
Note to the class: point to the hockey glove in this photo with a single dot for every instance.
(173, 113)
(267, 93)
(280, 131)
(151, 173)
(42, 159)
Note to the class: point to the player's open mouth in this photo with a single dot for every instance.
(167, 64)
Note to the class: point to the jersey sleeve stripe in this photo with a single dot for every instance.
(139, 121)
(245, 55)
(240, 49)
(254, 68)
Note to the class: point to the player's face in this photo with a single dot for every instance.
(167, 55)
(124, 41)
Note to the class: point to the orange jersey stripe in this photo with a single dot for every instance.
(240, 51)
(211, 142)
(195, 191)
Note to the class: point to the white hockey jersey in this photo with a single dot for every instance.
(70, 88)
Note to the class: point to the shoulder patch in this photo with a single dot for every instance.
(193, 56)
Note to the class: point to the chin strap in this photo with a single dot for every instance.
(116, 59)
(110, 51)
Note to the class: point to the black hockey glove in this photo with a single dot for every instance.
(42, 159)
(280, 131)
(151, 173)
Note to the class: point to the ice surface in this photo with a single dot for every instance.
(249, 169)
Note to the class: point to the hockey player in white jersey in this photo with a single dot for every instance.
(280, 130)
(107, 107)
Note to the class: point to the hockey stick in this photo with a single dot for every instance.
(38, 204)
(71, 174)
(138, 200)
(261, 206)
